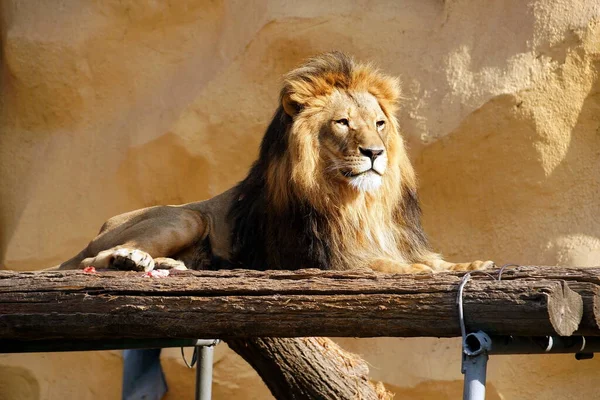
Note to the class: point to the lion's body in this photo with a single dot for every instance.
(332, 188)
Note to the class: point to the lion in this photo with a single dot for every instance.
(332, 188)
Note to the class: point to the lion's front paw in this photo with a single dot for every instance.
(395, 267)
(131, 260)
(169, 263)
(472, 266)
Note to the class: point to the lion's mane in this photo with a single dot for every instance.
(287, 214)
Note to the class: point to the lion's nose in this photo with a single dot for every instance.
(371, 152)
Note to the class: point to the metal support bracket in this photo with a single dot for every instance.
(476, 347)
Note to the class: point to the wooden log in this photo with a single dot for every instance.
(244, 304)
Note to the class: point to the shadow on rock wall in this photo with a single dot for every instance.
(18, 383)
(505, 187)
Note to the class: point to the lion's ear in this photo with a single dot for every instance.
(290, 107)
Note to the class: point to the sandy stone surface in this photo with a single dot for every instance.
(115, 105)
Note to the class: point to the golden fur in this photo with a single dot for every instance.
(333, 188)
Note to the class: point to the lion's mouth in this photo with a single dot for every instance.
(350, 174)
(364, 181)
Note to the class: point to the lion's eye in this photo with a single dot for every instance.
(380, 124)
(342, 121)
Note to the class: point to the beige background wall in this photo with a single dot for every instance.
(108, 106)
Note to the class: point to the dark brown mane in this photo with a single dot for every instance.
(258, 228)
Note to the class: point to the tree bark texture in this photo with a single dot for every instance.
(584, 281)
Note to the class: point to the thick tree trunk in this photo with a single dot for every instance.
(312, 368)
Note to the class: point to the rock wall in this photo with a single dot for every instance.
(113, 105)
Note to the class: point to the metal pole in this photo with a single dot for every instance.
(583, 347)
(474, 365)
(204, 368)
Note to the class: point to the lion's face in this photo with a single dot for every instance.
(353, 140)
(342, 141)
